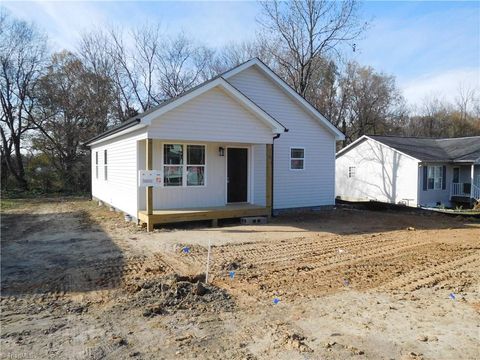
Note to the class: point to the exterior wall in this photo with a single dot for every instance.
(381, 174)
(214, 191)
(212, 116)
(120, 188)
(430, 197)
(314, 186)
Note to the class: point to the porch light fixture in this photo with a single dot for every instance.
(221, 151)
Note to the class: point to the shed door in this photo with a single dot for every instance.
(237, 175)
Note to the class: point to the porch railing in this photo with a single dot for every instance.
(460, 189)
(476, 192)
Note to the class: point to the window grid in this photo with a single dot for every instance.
(297, 158)
(351, 171)
(189, 168)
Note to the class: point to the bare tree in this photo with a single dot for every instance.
(301, 33)
(181, 64)
(64, 122)
(373, 103)
(22, 55)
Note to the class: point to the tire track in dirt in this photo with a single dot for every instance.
(433, 274)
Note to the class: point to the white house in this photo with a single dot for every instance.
(241, 144)
(411, 171)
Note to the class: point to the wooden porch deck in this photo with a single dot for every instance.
(206, 213)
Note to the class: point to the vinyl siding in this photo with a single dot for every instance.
(212, 116)
(120, 188)
(214, 192)
(315, 185)
(381, 174)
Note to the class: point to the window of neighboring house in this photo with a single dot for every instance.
(180, 159)
(105, 164)
(195, 165)
(297, 158)
(351, 171)
(96, 164)
(434, 177)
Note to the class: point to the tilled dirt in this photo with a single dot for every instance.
(80, 283)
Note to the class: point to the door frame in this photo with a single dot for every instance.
(249, 173)
(453, 174)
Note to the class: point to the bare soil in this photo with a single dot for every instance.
(78, 282)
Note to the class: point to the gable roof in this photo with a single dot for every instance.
(222, 81)
(462, 149)
(309, 108)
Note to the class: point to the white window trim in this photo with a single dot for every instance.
(96, 165)
(304, 158)
(105, 164)
(183, 166)
(441, 177)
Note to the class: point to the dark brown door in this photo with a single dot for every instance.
(237, 175)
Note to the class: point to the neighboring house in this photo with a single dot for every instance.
(409, 170)
(241, 144)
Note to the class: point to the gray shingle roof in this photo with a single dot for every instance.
(464, 149)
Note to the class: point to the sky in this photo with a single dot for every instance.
(432, 48)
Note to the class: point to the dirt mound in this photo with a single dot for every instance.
(174, 292)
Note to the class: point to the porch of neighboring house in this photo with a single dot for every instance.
(465, 186)
(216, 198)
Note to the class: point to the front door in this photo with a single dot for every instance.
(237, 175)
(456, 175)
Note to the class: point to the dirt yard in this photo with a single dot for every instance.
(77, 282)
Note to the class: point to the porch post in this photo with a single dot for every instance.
(269, 176)
(149, 189)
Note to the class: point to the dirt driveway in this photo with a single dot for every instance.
(80, 283)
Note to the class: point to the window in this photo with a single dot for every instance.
(195, 165)
(351, 171)
(434, 177)
(173, 165)
(105, 164)
(96, 164)
(179, 159)
(297, 158)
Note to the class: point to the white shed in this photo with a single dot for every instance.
(243, 143)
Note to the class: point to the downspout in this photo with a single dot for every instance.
(273, 170)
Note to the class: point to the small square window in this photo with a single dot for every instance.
(297, 158)
(351, 171)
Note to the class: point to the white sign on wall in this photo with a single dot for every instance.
(149, 178)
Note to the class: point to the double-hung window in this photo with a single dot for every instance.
(297, 158)
(195, 165)
(96, 164)
(105, 165)
(183, 165)
(434, 177)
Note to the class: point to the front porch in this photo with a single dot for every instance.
(213, 213)
(465, 186)
(214, 185)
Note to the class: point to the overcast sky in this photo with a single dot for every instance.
(430, 47)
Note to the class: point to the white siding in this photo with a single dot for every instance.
(214, 193)
(212, 116)
(316, 184)
(381, 174)
(120, 188)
